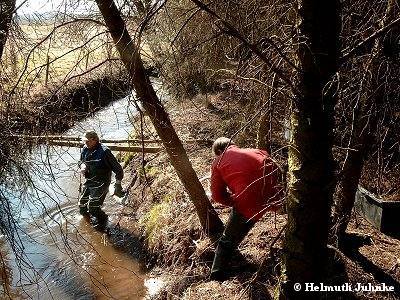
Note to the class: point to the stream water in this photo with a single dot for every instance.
(61, 256)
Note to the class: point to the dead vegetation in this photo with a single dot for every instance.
(181, 255)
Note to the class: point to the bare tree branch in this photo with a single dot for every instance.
(348, 54)
(232, 31)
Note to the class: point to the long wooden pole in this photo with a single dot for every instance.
(116, 141)
(78, 139)
(126, 145)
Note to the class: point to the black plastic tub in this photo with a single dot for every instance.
(383, 214)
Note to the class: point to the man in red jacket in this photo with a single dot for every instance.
(246, 180)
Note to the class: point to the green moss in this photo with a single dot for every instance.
(279, 285)
(168, 198)
(126, 157)
(150, 171)
(155, 220)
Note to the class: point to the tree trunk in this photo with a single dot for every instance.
(130, 56)
(7, 8)
(311, 165)
(265, 122)
(348, 185)
(362, 138)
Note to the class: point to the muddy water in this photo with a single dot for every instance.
(60, 256)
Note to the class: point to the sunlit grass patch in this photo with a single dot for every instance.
(156, 219)
(33, 57)
(41, 54)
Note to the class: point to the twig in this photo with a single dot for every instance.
(131, 184)
(373, 36)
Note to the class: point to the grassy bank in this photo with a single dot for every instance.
(56, 109)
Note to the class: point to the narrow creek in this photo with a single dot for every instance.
(61, 255)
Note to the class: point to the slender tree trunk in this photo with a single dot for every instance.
(364, 123)
(311, 165)
(7, 8)
(130, 56)
(264, 127)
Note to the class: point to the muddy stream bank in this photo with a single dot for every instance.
(58, 254)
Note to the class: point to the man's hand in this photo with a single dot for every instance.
(118, 189)
(83, 168)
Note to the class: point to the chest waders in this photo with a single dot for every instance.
(95, 188)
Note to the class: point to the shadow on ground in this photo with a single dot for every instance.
(351, 248)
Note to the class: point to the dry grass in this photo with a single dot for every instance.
(61, 52)
(68, 52)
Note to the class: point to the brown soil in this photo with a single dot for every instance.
(181, 255)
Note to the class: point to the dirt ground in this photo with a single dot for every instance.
(181, 255)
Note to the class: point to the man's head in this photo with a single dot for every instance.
(220, 144)
(91, 139)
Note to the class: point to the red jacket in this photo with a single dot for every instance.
(252, 179)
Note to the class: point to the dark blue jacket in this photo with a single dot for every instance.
(100, 163)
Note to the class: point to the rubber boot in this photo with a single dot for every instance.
(222, 256)
(235, 231)
(85, 213)
(101, 220)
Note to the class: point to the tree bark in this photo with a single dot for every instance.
(311, 165)
(264, 127)
(130, 56)
(364, 124)
(7, 8)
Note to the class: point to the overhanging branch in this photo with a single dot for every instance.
(232, 31)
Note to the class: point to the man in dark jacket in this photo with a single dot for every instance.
(246, 180)
(96, 164)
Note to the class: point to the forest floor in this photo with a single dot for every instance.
(181, 255)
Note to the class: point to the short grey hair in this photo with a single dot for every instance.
(91, 134)
(220, 144)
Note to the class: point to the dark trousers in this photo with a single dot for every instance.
(235, 231)
(92, 198)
